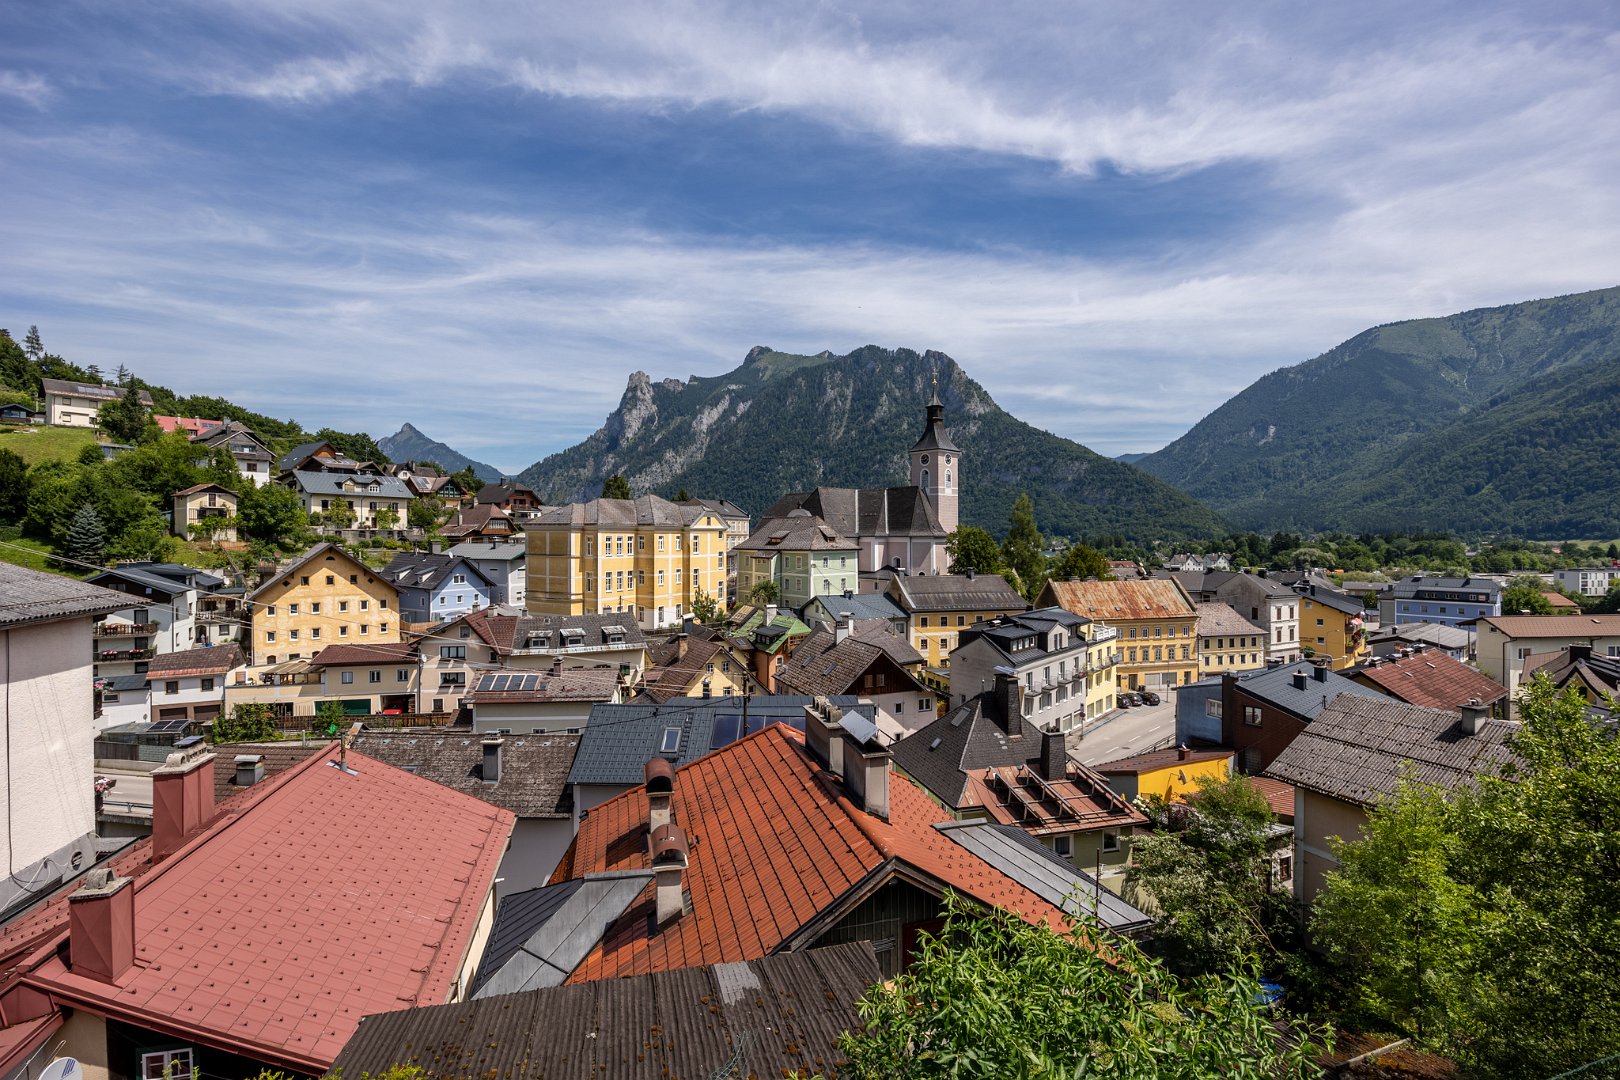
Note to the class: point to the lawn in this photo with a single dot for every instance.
(30, 553)
(36, 444)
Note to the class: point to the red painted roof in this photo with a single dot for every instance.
(314, 898)
(776, 842)
(1433, 679)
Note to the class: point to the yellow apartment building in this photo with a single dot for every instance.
(646, 558)
(1157, 626)
(325, 597)
(940, 606)
(1332, 625)
(1227, 641)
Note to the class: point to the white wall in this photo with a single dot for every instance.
(537, 847)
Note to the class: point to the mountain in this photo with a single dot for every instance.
(1130, 459)
(783, 422)
(409, 444)
(1442, 423)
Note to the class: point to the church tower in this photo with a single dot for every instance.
(936, 464)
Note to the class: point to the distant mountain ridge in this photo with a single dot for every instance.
(1501, 419)
(409, 444)
(783, 422)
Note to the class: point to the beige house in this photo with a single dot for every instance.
(200, 502)
(1156, 621)
(1503, 642)
(1227, 641)
(366, 495)
(72, 404)
(325, 597)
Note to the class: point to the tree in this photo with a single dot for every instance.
(340, 515)
(1444, 928)
(971, 548)
(122, 375)
(387, 518)
(208, 529)
(249, 721)
(124, 420)
(272, 514)
(357, 445)
(616, 487)
(424, 513)
(1212, 877)
(32, 345)
(764, 592)
(1526, 594)
(682, 496)
(1079, 562)
(13, 487)
(86, 538)
(992, 996)
(705, 609)
(467, 481)
(146, 541)
(1021, 550)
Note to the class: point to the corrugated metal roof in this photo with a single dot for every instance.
(1115, 601)
(28, 596)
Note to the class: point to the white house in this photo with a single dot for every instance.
(159, 614)
(72, 404)
(190, 685)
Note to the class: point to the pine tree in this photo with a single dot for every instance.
(85, 536)
(122, 375)
(1021, 550)
(32, 344)
(616, 487)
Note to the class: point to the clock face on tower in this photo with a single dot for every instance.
(925, 459)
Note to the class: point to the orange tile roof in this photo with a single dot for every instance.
(1112, 601)
(208, 660)
(776, 842)
(1278, 794)
(1433, 679)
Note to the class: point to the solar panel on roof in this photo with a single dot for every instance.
(727, 730)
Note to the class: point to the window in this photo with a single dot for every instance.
(365, 605)
(1285, 869)
(303, 580)
(269, 637)
(315, 608)
(166, 1065)
(1158, 631)
(292, 635)
(1251, 715)
(374, 676)
(292, 609)
(922, 704)
(1110, 841)
(660, 579)
(459, 579)
(354, 579)
(330, 580)
(402, 674)
(383, 603)
(270, 609)
(346, 678)
(677, 575)
(1212, 707)
(452, 652)
(660, 541)
(1320, 623)
(343, 605)
(671, 741)
(1063, 846)
(944, 643)
(448, 679)
(207, 685)
(365, 628)
(171, 687)
(315, 632)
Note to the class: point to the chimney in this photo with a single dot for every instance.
(249, 769)
(1474, 716)
(1007, 704)
(670, 857)
(492, 758)
(842, 628)
(182, 798)
(1579, 652)
(101, 926)
(659, 777)
(824, 735)
(1320, 671)
(770, 613)
(867, 769)
(1301, 680)
(1181, 752)
(849, 594)
(969, 574)
(436, 547)
(681, 643)
(1054, 755)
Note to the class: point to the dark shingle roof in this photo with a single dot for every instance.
(1358, 748)
(958, 592)
(1431, 678)
(541, 935)
(824, 666)
(208, 660)
(871, 605)
(90, 390)
(939, 754)
(30, 596)
(1338, 601)
(1276, 686)
(332, 483)
(534, 768)
(796, 532)
(853, 512)
(426, 569)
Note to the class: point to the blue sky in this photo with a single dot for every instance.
(1114, 216)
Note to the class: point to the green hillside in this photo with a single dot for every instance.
(1274, 455)
(784, 422)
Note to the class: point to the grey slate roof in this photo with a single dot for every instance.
(90, 390)
(796, 531)
(645, 510)
(619, 739)
(935, 436)
(1437, 634)
(870, 605)
(426, 570)
(541, 935)
(299, 454)
(939, 754)
(1207, 583)
(165, 578)
(331, 483)
(1045, 873)
(822, 666)
(855, 512)
(500, 549)
(1358, 748)
(780, 1015)
(31, 596)
(724, 507)
(1332, 598)
(1276, 686)
(1218, 618)
(534, 768)
(958, 592)
(1414, 584)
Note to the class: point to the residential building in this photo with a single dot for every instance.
(360, 679)
(1198, 713)
(437, 586)
(542, 702)
(198, 502)
(323, 597)
(1505, 642)
(645, 558)
(1170, 775)
(826, 610)
(1596, 676)
(1261, 712)
(697, 668)
(321, 456)
(366, 494)
(985, 760)
(1561, 604)
(253, 459)
(16, 413)
(1227, 641)
(162, 615)
(284, 922)
(1200, 564)
(939, 607)
(880, 856)
(738, 526)
(1065, 664)
(505, 563)
(765, 636)
(423, 478)
(190, 685)
(513, 499)
(898, 527)
(1449, 601)
(1588, 580)
(1354, 755)
(1429, 677)
(832, 663)
(524, 774)
(1455, 641)
(49, 712)
(1332, 625)
(801, 555)
(1258, 597)
(1155, 620)
(480, 521)
(121, 699)
(75, 404)
(620, 739)
(791, 1030)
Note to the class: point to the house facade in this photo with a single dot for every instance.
(1262, 712)
(253, 459)
(1262, 599)
(324, 597)
(1588, 580)
(1448, 601)
(940, 607)
(1227, 641)
(436, 586)
(1503, 643)
(74, 404)
(801, 555)
(162, 615)
(1156, 624)
(194, 504)
(1064, 664)
(1332, 625)
(504, 563)
(366, 495)
(190, 685)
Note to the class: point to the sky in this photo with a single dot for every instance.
(482, 218)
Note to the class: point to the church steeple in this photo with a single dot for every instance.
(936, 462)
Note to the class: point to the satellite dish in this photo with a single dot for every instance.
(63, 1068)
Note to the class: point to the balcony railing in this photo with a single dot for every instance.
(117, 629)
(125, 654)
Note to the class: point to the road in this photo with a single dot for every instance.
(1128, 732)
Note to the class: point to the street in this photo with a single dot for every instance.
(1128, 732)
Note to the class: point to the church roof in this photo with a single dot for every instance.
(896, 511)
(935, 436)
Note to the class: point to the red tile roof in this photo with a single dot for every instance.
(1433, 679)
(1279, 794)
(313, 898)
(776, 843)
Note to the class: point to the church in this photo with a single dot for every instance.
(899, 527)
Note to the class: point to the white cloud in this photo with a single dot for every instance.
(26, 87)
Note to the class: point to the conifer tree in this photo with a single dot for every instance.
(1021, 550)
(32, 344)
(86, 538)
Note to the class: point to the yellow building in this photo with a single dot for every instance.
(940, 606)
(700, 669)
(1156, 621)
(1166, 774)
(645, 557)
(325, 597)
(1102, 668)
(1227, 641)
(1331, 624)
(199, 502)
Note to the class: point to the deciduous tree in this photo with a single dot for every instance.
(272, 514)
(971, 548)
(1078, 562)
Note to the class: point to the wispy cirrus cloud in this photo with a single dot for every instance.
(26, 87)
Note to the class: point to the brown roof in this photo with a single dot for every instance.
(1113, 601)
(392, 652)
(1217, 619)
(534, 768)
(1154, 760)
(1571, 626)
(519, 686)
(209, 660)
(825, 666)
(1431, 678)
(195, 488)
(278, 758)
(677, 677)
(1019, 795)
(1279, 795)
(35, 596)
(1559, 600)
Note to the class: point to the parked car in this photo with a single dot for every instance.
(1149, 697)
(1124, 701)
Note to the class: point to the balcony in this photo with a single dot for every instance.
(109, 655)
(115, 629)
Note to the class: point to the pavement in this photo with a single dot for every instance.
(1127, 732)
(131, 797)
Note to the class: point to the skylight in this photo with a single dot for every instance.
(671, 742)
